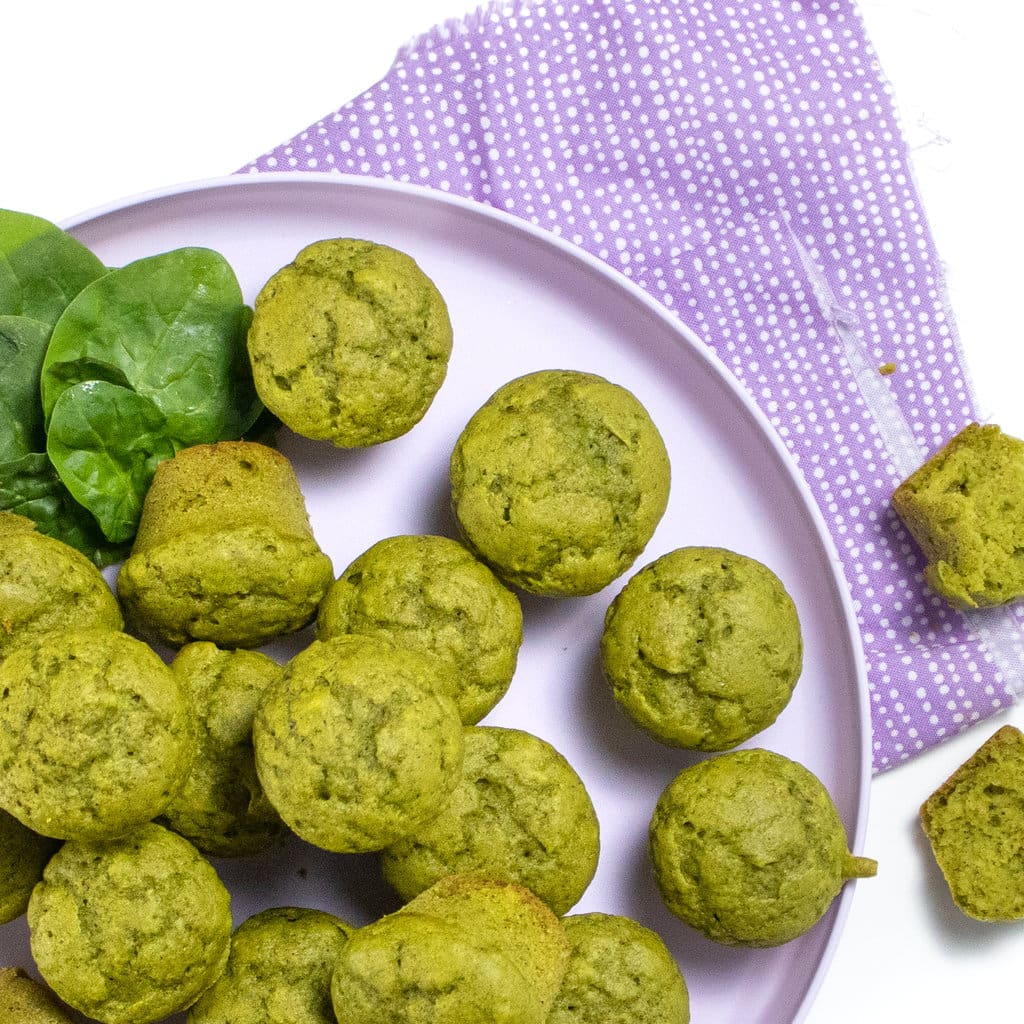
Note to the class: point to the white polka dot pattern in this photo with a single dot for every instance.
(742, 162)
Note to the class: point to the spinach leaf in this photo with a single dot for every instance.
(41, 267)
(172, 328)
(105, 442)
(30, 486)
(22, 347)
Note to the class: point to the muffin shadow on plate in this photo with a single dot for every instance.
(626, 745)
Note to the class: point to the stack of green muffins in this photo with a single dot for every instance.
(127, 769)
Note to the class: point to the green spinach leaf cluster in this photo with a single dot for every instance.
(106, 372)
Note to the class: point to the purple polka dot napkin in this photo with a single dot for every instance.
(743, 163)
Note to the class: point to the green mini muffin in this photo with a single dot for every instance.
(278, 971)
(497, 911)
(619, 973)
(95, 734)
(965, 509)
(23, 855)
(46, 585)
(390, 969)
(222, 808)
(470, 949)
(519, 813)
(702, 648)
(749, 849)
(975, 824)
(350, 342)
(430, 594)
(356, 744)
(224, 550)
(25, 1001)
(131, 930)
(558, 481)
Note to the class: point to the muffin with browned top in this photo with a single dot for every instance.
(225, 551)
(467, 949)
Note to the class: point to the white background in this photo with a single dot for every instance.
(110, 99)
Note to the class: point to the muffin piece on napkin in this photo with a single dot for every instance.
(975, 824)
(350, 342)
(558, 481)
(702, 648)
(224, 551)
(749, 849)
(965, 508)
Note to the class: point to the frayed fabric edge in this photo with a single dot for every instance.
(996, 630)
(453, 28)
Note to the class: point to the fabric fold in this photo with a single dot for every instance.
(744, 164)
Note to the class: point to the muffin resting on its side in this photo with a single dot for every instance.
(467, 949)
(619, 973)
(224, 550)
(23, 855)
(357, 744)
(965, 509)
(430, 594)
(47, 585)
(25, 1001)
(558, 481)
(95, 734)
(350, 342)
(702, 648)
(975, 824)
(749, 849)
(278, 971)
(519, 813)
(132, 930)
(222, 808)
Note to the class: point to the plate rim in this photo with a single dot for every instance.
(676, 324)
